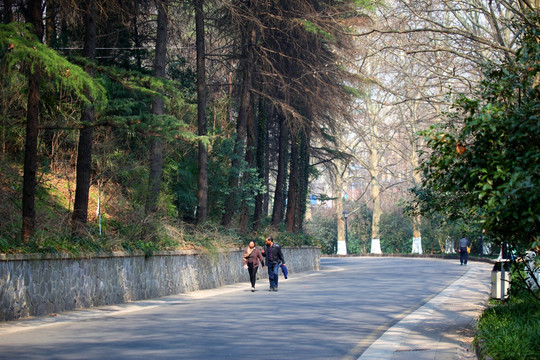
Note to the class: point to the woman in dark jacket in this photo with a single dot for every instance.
(251, 258)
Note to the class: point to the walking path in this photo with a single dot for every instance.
(443, 328)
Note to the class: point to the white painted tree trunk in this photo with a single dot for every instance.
(341, 244)
(375, 192)
(417, 235)
(376, 246)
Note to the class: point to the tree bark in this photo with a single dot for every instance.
(266, 198)
(84, 153)
(292, 195)
(202, 180)
(250, 162)
(279, 193)
(377, 211)
(303, 180)
(34, 15)
(241, 130)
(260, 161)
(341, 243)
(417, 180)
(375, 185)
(156, 147)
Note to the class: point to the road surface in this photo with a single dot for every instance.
(335, 313)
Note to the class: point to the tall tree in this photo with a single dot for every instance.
(84, 153)
(279, 193)
(158, 109)
(292, 197)
(306, 82)
(261, 161)
(340, 167)
(241, 123)
(374, 169)
(298, 67)
(251, 142)
(303, 179)
(34, 13)
(202, 180)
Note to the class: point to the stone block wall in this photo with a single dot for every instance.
(34, 285)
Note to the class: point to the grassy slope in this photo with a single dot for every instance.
(124, 225)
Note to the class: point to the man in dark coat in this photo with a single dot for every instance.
(274, 257)
(463, 250)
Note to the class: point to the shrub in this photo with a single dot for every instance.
(510, 330)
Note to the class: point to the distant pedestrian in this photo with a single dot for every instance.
(463, 250)
(274, 258)
(251, 258)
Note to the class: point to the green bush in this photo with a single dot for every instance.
(396, 233)
(360, 231)
(323, 230)
(510, 330)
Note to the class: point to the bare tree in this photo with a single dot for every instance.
(422, 52)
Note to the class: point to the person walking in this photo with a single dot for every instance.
(463, 250)
(274, 257)
(251, 258)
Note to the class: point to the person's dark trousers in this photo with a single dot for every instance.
(273, 269)
(252, 274)
(463, 255)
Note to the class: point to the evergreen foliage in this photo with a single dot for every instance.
(20, 48)
(485, 164)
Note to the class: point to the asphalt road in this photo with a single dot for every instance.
(335, 313)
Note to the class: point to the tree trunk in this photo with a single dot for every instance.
(375, 194)
(156, 147)
(417, 179)
(375, 190)
(32, 121)
(292, 196)
(250, 162)
(84, 153)
(279, 194)
(241, 130)
(338, 191)
(260, 161)
(202, 180)
(266, 198)
(303, 180)
(377, 211)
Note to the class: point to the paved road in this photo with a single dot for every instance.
(337, 313)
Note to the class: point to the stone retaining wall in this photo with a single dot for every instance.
(34, 285)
